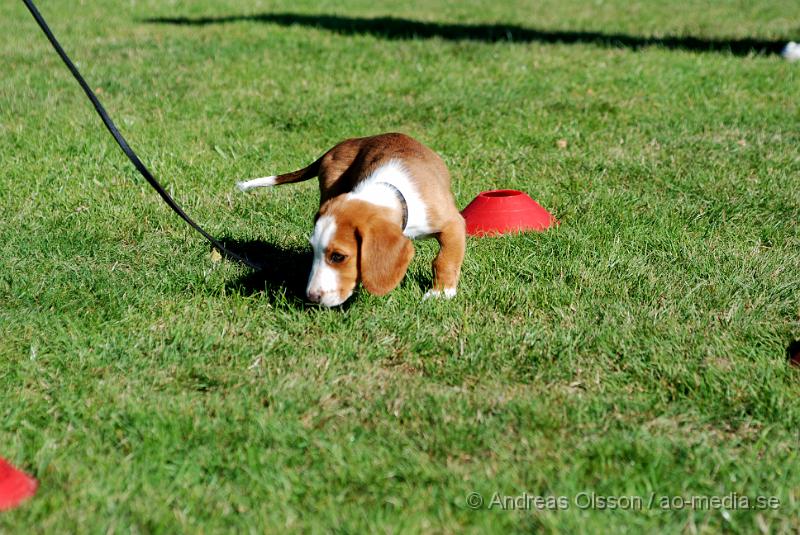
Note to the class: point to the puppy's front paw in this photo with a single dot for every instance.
(448, 293)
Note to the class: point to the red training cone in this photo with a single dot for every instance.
(505, 210)
(15, 486)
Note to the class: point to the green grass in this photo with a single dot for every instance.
(637, 349)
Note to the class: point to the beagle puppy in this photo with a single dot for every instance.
(376, 193)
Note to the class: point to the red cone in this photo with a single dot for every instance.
(15, 486)
(505, 210)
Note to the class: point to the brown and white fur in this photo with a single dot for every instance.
(358, 234)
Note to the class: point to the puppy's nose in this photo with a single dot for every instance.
(314, 295)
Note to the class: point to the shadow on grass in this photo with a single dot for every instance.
(793, 353)
(284, 272)
(400, 28)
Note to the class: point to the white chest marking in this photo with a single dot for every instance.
(372, 191)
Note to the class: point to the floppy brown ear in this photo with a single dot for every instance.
(384, 256)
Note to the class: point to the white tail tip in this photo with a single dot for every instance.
(256, 183)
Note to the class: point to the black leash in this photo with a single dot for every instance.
(101, 111)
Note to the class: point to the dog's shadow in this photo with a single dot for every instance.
(283, 270)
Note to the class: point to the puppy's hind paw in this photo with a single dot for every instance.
(447, 293)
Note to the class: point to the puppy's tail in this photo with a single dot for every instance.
(287, 178)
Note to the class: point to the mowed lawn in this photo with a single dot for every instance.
(637, 350)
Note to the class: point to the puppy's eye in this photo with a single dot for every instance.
(337, 258)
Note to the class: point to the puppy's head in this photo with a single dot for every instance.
(354, 241)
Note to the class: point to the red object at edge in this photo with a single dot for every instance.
(505, 210)
(15, 486)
